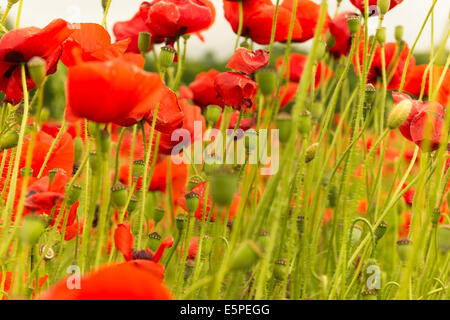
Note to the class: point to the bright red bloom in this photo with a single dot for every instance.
(417, 106)
(9, 279)
(247, 61)
(170, 115)
(415, 78)
(297, 64)
(173, 18)
(308, 14)
(133, 280)
(341, 34)
(395, 64)
(360, 4)
(408, 196)
(203, 89)
(287, 93)
(20, 45)
(91, 42)
(178, 172)
(116, 91)
(258, 20)
(236, 89)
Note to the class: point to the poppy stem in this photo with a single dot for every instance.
(241, 24)
(19, 14)
(5, 14)
(274, 27)
(105, 14)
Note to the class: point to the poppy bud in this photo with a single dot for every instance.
(279, 270)
(192, 201)
(138, 168)
(213, 113)
(104, 4)
(119, 194)
(144, 41)
(369, 294)
(180, 222)
(404, 247)
(311, 152)
(78, 149)
(380, 230)
(73, 194)
(266, 79)
(353, 22)
(37, 69)
(381, 35)
(304, 123)
(245, 44)
(321, 50)
(355, 234)
(301, 225)
(223, 187)
(399, 113)
(284, 125)
(49, 252)
(370, 93)
(246, 256)
(26, 172)
(158, 214)
(398, 33)
(332, 196)
(435, 217)
(166, 56)
(32, 229)
(9, 140)
(193, 181)
(383, 6)
(207, 246)
(444, 238)
(154, 241)
(132, 204)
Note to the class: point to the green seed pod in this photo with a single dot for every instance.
(246, 256)
(193, 181)
(78, 148)
(166, 56)
(369, 295)
(189, 269)
(144, 42)
(266, 79)
(73, 194)
(380, 230)
(444, 238)
(399, 114)
(94, 161)
(381, 35)
(154, 241)
(213, 113)
(32, 228)
(223, 187)
(404, 247)
(207, 246)
(263, 239)
(138, 168)
(158, 214)
(9, 140)
(180, 222)
(332, 196)
(383, 6)
(399, 33)
(37, 68)
(311, 152)
(119, 194)
(284, 125)
(371, 93)
(192, 201)
(355, 235)
(304, 123)
(354, 23)
(279, 269)
(132, 204)
(316, 110)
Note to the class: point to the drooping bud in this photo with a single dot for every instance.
(119, 194)
(383, 6)
(355, 235)
(192, 201)
(404, 247)
(144, 42)
(444, 238)
(166, 56)
(213, 113)
(73, 194)
(180, 222)
(246, 256)
(381, 35)
(354, 23)
(380, 230)
(266, 79)
(311, 152)
(399, 114)
(223, 186)
(9, 140)
(32, 228)
(399, 33)
(279, 269)
(284, 125)
(138, 168)
(37, 69)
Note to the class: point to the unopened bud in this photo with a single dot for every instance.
(266, 79)
(246, 256)
(32, 228)
(78, 149)
(37, 68)
(311, 152)
(399, 114)
(144, 41)
(355, 235)
(381, 35)
(9, 140)
(213, 113)
(398, 33)
(383, 6)
(380, 230)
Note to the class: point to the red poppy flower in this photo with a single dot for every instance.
(287, 93)
(297, 64)
(408, 196)
(172, 18)
(20, 45)
(417, 106)
(178, 174)
(360, 4)
(133, 280)
(9, 278)
(415, 78)
(91, 42)
(170, 115)
(341, 34)
(308, 14)
(258, 20)
(236, 90)
(203, 89)
(395, 64)
(116, 91)
(247, 61)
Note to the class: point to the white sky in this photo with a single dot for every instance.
(410, 14)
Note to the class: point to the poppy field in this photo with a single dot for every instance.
(279, 174)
